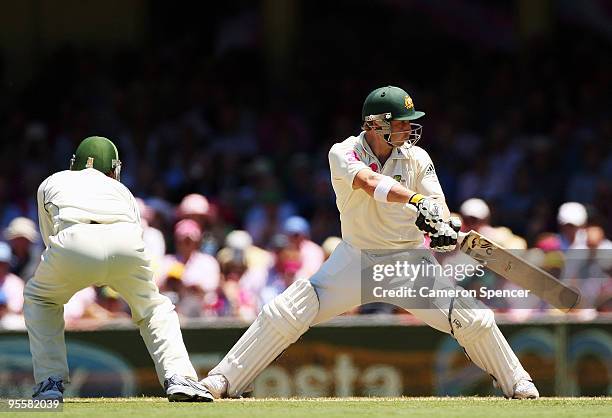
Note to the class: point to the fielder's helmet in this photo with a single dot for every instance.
(99, 153)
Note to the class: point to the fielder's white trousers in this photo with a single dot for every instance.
(84, 255)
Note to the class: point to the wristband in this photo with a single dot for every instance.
(383, 187)
(415, 199)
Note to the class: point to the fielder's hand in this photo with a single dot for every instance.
(445, 239)
(429, 214)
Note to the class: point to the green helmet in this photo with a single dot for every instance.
(99, 153)
(390, 103)
(391, 100)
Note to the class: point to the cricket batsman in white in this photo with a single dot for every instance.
(388, 195)
(90, 224)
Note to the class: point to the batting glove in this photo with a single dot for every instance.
(429, 214)
(445, 239)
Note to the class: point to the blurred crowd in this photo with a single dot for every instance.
(205, 271)
(230, 160)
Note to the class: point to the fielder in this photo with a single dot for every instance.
(90, 224)
(388, 195)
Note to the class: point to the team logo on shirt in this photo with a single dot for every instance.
(408, 102)
(398, 178)
(374, 167)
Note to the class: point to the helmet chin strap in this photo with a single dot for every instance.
(117, 169)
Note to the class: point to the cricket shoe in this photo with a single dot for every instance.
(216, 384)
(51, 389)
(184, 389)
(524, 389)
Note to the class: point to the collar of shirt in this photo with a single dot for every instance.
(399, 153)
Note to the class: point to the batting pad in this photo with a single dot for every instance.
(280, 323)
(476, 331)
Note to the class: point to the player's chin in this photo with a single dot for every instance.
(398, 141)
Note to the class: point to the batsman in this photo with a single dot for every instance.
(91, 228)
(389, 197)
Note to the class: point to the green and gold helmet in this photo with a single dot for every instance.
(390, 103)
(99, 153)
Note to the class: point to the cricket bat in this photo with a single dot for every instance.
(520, 272)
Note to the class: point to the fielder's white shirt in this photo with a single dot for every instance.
(82, 197)
(370, 224)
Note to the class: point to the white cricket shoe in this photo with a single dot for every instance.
(216, 384)
(183, 389)
(525, 389)
(51, 389)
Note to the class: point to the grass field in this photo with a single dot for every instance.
(331, 408)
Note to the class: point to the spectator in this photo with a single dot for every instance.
(153, 237)
(76, 308)
(11, 285)
(284, 272)
(588, 266)
(476, 215)
(266, 218)
(297, 230)
(257, 260)
(195, 206)
(83, 310)
(22, 236)
(572, 218)
(198, 273)
(9, 320)
(234, 298)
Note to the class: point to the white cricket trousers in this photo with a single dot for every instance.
(100, 254)
(337, 287)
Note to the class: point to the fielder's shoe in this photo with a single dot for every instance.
(184, 389)
(525, 389)
(51, 389)
(216, 384)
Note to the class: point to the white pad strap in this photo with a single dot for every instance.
(473, 325)
(383, 187)
(280, 323)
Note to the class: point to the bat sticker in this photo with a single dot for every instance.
(479, 242)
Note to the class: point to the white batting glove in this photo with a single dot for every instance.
(445, 239)
(429, 214)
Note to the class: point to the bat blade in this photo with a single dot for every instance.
(520, 272)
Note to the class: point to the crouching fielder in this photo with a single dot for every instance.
(388, 196)
(90, 224)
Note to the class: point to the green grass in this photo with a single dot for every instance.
(333, 407)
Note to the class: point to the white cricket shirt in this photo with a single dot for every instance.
(368, 223)
(82, 197)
